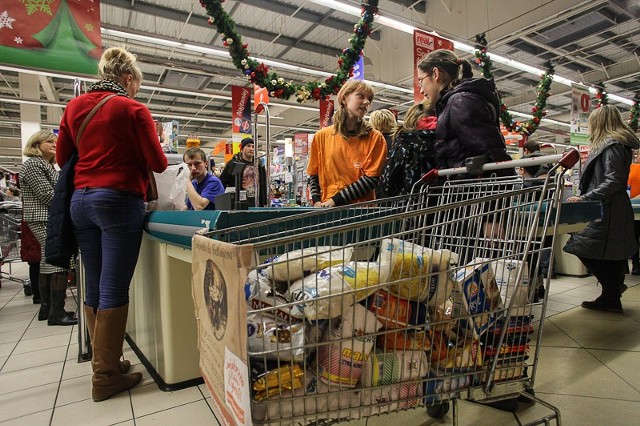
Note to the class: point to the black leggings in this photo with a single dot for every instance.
(635, 258)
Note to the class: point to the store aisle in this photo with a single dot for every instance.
(589, 368)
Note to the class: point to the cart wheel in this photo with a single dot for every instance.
(27, 290)
(438, 411)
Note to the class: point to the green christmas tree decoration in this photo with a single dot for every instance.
(601, 95)
(259, 74)
(33, 6)
(484, 62)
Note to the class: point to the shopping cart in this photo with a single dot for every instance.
(10, 218)
(415, 301)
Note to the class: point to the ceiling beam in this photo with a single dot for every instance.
(314, 18)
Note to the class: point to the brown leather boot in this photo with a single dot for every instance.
(90, 316)
(108, 336)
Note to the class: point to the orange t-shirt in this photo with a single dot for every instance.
(340, 161)
(634, 180)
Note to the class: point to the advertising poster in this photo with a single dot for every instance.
(219, 273)
(54, 34)
(169, 136)
(241, 110)
(580, 110)
(326, 113)
(300, 144)
(424, 43)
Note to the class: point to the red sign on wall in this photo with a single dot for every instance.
(326, 113)
(241, 110)
(424, 43)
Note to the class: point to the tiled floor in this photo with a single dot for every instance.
(589, 367)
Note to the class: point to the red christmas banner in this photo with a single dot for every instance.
(424, 43)
(326, 113)
(51, 34)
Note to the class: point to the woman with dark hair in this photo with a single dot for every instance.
(468, 111)
(118, 148)
(605, 244)
(346, 159)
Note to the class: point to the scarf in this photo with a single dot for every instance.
(108, 86)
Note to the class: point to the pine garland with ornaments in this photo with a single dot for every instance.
(601, 95)
(633, 114)
(259, 74)
(511, 124)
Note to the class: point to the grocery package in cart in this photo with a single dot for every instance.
(414, 301)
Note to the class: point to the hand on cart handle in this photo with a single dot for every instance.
(574, 199)
(328, 203)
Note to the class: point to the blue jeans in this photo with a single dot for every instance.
(108, 226)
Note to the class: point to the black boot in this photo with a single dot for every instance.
(57, 314)
(34, 273)
(44, 284)
(604, 303)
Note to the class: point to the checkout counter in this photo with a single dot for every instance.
(162, 328)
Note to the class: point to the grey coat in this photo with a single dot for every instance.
(604, 179)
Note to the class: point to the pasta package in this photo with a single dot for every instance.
(394, 312)
(410, 340)
(340, 362)
(296, 264)
(327, 293)
(281, 341)
(284, 377)
(387, 368)
(418, 273)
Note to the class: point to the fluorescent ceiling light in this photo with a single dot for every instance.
(546, 120)
(401, 26)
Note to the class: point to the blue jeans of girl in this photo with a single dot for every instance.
(108, 225)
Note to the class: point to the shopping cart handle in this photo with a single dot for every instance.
(430, 176)
(570, 158)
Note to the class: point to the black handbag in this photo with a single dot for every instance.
(61, 244)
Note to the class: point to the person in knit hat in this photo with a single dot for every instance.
(251, 176)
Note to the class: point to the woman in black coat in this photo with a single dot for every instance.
(605, 244)
(468, 111)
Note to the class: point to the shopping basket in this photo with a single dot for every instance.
(10, 218)
(412, 301)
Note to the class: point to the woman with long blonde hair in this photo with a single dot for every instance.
(346, 159)
(605, 244)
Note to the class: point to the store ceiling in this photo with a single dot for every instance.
(589, 41)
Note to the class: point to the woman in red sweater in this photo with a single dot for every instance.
(118, 147)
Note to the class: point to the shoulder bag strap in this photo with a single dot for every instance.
(90, 116)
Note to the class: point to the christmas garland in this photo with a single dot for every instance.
(511, 124)
(601, 95)
(633, 114)
(258, 73)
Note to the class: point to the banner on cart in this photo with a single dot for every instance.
(219, 273)
(55, 34)
(580, 110)
(424, 43)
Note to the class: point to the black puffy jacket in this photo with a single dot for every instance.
(411, 156)
(468, 125)
(604, 179)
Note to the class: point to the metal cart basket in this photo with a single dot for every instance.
(10, 218)
(414, 301)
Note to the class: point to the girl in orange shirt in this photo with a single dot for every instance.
(346, 159)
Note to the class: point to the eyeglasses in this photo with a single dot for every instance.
(419, 82)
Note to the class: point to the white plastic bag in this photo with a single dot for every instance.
(172, 187)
